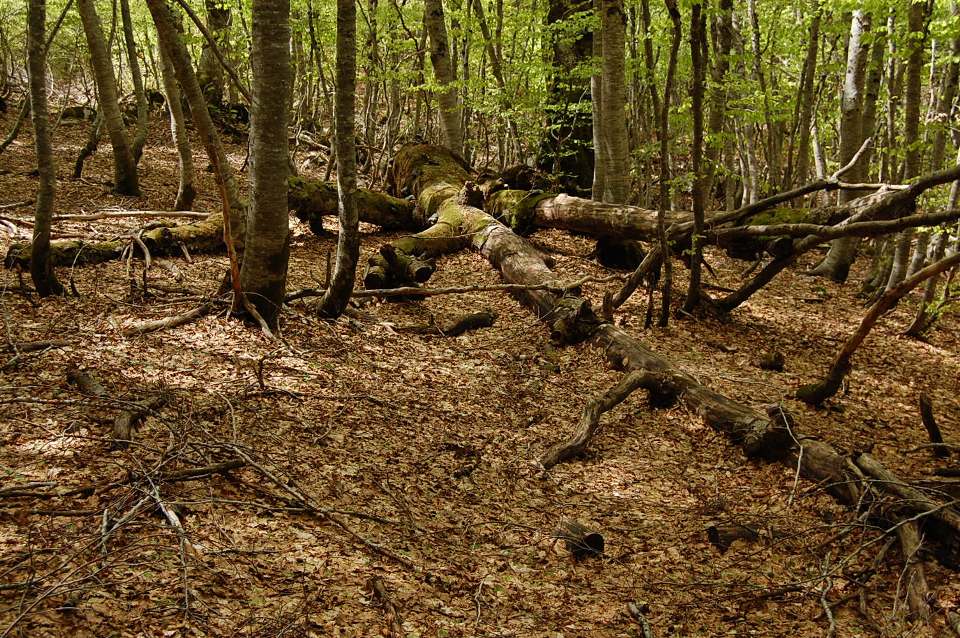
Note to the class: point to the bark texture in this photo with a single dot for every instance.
(335, 300)
(41, 267)
(263, 274)
(125, 167)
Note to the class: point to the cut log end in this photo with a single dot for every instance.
(580, 540)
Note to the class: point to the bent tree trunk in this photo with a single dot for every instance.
(124, 166)
(41, 270)
(817, 393)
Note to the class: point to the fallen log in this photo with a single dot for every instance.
(432, 176)
(312, 200)
(203, 236)
(435, 178)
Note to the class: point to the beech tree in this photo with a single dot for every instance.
(124, 164)
(263, 274)
(41, 269)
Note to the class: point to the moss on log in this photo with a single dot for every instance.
(437, 179)
(204, 236)
(312, 200)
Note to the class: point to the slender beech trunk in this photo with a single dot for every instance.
(124, 165)
(143, 115)
(263, 276)
(348, 243)
(41, 270)
(596, 95)
(186, 192)
(172, 42)
(664, 199)
(798, 164)
(616, 182)
(698, 61)
(723, 28)
(917, 27)
(843, 252)
(450, 112)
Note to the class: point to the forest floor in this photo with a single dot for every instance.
(417, 455)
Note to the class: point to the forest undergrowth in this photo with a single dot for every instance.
(360, 479)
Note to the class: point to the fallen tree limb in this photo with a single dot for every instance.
(817, 393)
(312, 200)
(933, 429)
(590, 419)
(418, 292)
(136, 214)
(153, 325)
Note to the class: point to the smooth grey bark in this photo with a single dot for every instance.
(41, 270)
(140, 135)
(616, 180)
(596, 111)
(843, 252)
(450, 112)
(124, 165)
(797, 169)
(338, 293)
(170, 39)
(263, 274)
(186, 191)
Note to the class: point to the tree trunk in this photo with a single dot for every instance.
(186, 192)
(450, 114)
(843, 252)
(125, 168)
(596, 111)
(175, 48)
(723, 25)
(263, 275)
(41, 269)
(566, 149)
(348, 244)
(616, 179)
(797, 173)
(697, 54)
(210, 72)
(917, 26)
(140, 136)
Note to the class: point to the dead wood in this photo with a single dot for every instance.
(817, 393)
(203, 236)
(312, 200)
(933, 430)
(394, 623)
(125, 422)
(34, 346)
(590, 419)
(433, 176)
(457, 327)
(914, 577)
(580, 540)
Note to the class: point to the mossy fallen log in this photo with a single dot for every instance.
(203, 236)
(441, 185)
(312, 200)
